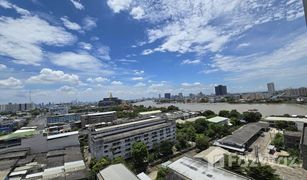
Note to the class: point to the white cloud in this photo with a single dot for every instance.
(7, 5)
(188, 61)
(138, 72)
(77, 61)
(77, 4)
(284, 61)
(116, 83)
(49, 76)
(140, 84)
(89, 23)
(203, 26)
(103, 52)
(118, 5)
(22, 38)
(3, 67)
(85, 46)
(137, 78)
(147, 51)
(10, 83)
(70, 25)
(67, 89)
(97, 79)
(185, 84)
(137, 12)
(242, 45)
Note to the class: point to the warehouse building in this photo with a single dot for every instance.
(99, 117)
(117, 140)
(299, 122)
(242, 138)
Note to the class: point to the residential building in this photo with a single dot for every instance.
(303, 146)
(220, 90)
(63, 119)
(16, 107)
(271, 87)
(167, 95)
(292, 139)
(99, 117)
(191, 169)
(117, 140)
(59, 109)
(302, 91)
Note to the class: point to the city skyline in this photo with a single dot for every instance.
(66, 50)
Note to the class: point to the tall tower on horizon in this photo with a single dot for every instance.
(271, 87)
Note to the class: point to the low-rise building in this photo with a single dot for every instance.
(219, 120)
(117, 140)
(272, 120)
(292, 139)
(99, 117)
(187, 168)
(63, 119)
(116, 172)
(242, 138)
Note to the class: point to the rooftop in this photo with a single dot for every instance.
(212, 155)
(150, 112)
(100, 113)
(244, 134)
(180, 121)
(293, 119)
(116, 172)
(217, 119)
(21, 133)
(197, 170)
(62, 135)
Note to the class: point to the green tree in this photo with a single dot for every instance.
(166, 148)
(252, 116)
(100, 164)
(233, 163)
(162, 173)
(224, 113)
(140, 156)
(118, 160)
(234, 114)
(260, 172)
(190, 133)
(202, 142)
(278, 141)
(208, 113)
(181, 141)
(201, 125)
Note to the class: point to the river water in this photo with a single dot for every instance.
(264, 109)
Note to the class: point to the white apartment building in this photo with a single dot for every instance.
(117, 140)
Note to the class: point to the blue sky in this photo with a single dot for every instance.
(63, 50)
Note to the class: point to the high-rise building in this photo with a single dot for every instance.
(220, 90)
(271, 87)
(180, 95)
(167, 95)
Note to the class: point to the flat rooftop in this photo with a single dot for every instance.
(100, 113)
(150, 112)
(293, 133)
(21, 133)
(198, 170)
(129, 123)
(180, 121)
(241, 136)
(116, 172)
(217, 119)
(291, 119)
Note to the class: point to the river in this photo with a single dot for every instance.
(264, 109)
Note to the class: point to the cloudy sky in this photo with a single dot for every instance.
(63, 50)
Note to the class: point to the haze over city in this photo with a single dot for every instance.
(62, 50)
